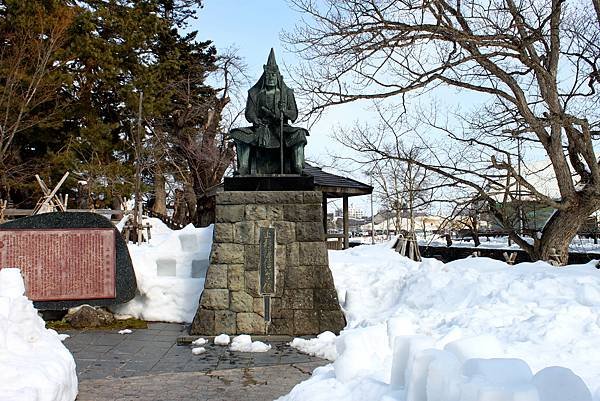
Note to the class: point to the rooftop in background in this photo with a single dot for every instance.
(332, 185)
(336, 186)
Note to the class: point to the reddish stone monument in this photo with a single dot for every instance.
(69, 259)
(62, 264)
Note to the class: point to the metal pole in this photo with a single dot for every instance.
(345, 221)
(372, 222)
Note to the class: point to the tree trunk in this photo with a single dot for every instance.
(206, 211)
(116, 203)
(190, 200)
(560, 230)
(83, 195)
(180, 212)
(160, 194)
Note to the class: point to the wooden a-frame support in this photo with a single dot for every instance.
(50, 198)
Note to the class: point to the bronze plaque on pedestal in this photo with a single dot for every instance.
(62, 264)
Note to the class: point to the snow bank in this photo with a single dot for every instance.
(34, 364)
(323, 346)
(470, 330)
(170, 272)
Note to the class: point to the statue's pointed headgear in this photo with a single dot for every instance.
(271, 63)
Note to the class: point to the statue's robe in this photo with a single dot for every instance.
(262, 113)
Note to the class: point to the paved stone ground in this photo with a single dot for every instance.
(149, 365)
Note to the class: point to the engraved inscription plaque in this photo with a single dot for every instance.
(267, 261)
(62, 264)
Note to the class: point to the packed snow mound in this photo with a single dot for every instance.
(323, 346)
(222, 339)
(170, 271)
(470, 330)
(34, 364)
(244, 343)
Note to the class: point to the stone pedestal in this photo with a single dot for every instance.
(304, 302)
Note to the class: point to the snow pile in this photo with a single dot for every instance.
(323, 346)
(170, 272)
(34, 364)
(199, 341)
(471, 330)
(244, 343)
(198, 350)
(222, 339)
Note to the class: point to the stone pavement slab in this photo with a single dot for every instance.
(247, 384)
(149, 365)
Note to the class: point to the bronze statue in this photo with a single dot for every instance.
(270, 105)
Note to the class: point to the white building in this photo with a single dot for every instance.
(353, 212)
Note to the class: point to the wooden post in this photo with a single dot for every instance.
(324, 205)
(345, 216)
(3, 204)
(137, 209)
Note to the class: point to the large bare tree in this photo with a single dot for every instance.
(30, 63)
(535, 64)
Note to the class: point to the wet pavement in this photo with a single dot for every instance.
(149, 365)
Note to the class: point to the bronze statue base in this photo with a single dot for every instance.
(270, 183)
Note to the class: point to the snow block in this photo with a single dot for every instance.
(34, 364)
(360, 353)
(399, 326)
(166, 268)
(416, 375)
(522, 393)
(497, 380)
(498, 371)
(405, 350)
(484, 346)
(11, 283)
(189, 242)
(444, 378)
(556, 383)
(199, 268)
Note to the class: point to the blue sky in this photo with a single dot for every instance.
(253, 27)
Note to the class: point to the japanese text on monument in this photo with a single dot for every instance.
(267, 260)
(63, 264)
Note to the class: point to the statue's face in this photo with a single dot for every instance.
(271, 79)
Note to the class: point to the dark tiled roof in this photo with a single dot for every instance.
(335, 185)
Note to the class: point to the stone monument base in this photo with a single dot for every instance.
(270, 183)
(303, 300)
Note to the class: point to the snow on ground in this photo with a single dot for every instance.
(578, 244)
(170, 271)
(470, 330)
(244, 343)
(323, 346)
(222, 339)
(34, 364)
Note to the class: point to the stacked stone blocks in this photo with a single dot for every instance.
(305, 301)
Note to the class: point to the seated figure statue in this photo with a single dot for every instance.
(258, 147)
